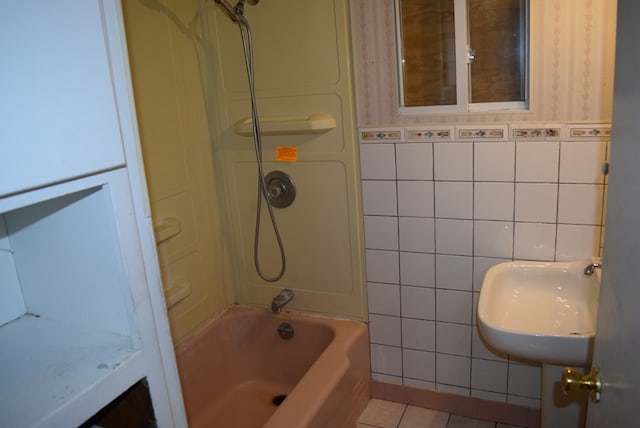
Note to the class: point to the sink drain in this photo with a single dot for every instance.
(278, 399)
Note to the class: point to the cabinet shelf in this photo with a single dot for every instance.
(52, 367)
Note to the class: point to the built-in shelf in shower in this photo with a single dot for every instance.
(288, 125)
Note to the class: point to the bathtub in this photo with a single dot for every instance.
(234, 368)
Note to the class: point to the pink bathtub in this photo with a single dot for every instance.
(233, 369)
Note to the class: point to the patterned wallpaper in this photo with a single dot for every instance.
(572, 57)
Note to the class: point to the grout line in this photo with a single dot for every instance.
(402, 416)
(395, 160)
(473, 253)
(555, 250)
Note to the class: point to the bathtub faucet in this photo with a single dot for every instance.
(591, 268)
(279, 302)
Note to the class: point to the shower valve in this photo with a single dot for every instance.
(281, 190)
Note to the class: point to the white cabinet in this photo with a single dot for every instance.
(82, 315)
(58, 111)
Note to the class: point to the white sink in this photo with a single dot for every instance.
(541, 311)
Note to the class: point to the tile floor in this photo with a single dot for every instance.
(387, 414)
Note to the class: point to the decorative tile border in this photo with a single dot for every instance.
(589, 132)
(429, 134)
(373, 135)
(478, 133)
(482, 133)
(537, 132)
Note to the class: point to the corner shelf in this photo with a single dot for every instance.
(315, 123)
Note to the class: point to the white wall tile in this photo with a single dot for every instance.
(536, 202)
(383, 298)
(454, 272)
(453, 161)
(453, 338)
(418, 302)
(481, 349)
(480, 267)
(385, 330)
(381, 233)
(386, 360)
(418, 334)
(454, 237)
(414, 161)
(417, 269)
(474, 313)
(576, 242)
(415, 198)
(493, 201)
(580, 203)
(581, 162)
(537, 162)
(454, 199)
(524, 380)
(493, 239)
(419, 364)
(494, 161)
(382, 266)
(379, 198)
(489, 375)
(417, 234)
(453, 370)
(454, 306)
(416, 228)
(377, 162)
(534, 241)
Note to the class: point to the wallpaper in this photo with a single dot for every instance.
(572, 50)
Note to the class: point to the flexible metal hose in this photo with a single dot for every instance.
(247, 45)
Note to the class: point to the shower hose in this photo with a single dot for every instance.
(263, 193)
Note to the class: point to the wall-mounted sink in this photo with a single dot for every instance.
(541, 311)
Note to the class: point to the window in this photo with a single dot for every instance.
(462, 55)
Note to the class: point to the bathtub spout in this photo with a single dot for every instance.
(279, 302)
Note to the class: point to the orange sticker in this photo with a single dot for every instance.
(286, 154)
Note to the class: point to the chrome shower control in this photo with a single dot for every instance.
(281, 190)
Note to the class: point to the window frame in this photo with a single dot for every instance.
(463, 67)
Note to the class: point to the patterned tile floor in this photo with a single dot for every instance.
(387, 414)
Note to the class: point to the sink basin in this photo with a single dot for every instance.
(541, 311)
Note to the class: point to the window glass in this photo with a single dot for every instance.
(428, 43)
(463, 55)
(498, 37)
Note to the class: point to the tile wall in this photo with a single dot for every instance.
(441, 206)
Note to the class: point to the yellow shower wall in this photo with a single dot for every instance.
(302, 66)
(176, 145)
